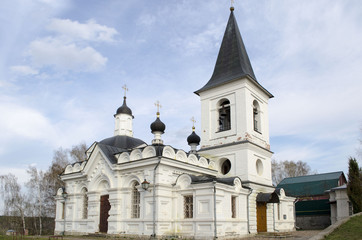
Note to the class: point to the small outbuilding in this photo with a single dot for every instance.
(312, 204)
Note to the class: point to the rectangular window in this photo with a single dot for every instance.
(85, 207)
(188, 206)
(233, 207)
(136, 199)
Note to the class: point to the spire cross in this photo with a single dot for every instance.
(232, 3)
(125, 89)
(158, 105)
(193, 122)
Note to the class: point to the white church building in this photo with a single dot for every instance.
(223, 189)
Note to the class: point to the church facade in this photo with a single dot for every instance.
(223, 189)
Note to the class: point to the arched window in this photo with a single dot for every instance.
(256, 116)
(224, 115)
(135, 201)
(85, 203)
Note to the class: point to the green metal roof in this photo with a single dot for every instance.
(310, 185)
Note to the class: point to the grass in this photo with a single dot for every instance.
(4, 237)
(351, 230)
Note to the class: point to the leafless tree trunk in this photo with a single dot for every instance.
(14, 200)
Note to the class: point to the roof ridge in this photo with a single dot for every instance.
(315, 174)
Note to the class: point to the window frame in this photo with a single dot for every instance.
(135, 201)
(84, 203)
(256, 117)
(233, 207)
(188, 206)
(224, 123)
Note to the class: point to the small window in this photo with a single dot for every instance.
(85, 204)
(188, 206)
(225, 166)
(224, 115)
(256, 117)
(233, 207)
(135, 201)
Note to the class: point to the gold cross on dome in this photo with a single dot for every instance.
(158, 105)
(125, 89)
(193, 121)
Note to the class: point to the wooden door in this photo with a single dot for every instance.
(261, 217)
(103, 217)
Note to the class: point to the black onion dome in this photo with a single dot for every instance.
(124, 108)
(157, 125)
(193, 138)
(124, 142)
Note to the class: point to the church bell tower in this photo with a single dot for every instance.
(234, 114)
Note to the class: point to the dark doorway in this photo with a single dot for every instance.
(103, 217)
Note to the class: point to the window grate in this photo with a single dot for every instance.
(188, 206)
(85, 206)
(135, 202)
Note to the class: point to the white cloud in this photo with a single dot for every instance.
(24, 70)
(23, 122)
(89, 31)
(65, 56)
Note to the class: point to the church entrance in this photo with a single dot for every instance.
(261, 216)
(103, 217)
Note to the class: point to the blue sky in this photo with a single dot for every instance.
(63, 65)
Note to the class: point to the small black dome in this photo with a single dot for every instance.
(124, 108)
(157, 125)
(193, 138)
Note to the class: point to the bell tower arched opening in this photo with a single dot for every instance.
(224, 118)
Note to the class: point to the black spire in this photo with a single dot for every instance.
(158, 125)
(124, 108)
(233, 61)
(193, 138)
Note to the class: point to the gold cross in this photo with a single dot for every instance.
(193, 122)
(158, 105)
(232, 3)
(125, 89)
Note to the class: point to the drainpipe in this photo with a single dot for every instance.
(275, 230)
(215, 222)
(247, 206)
(154, 196)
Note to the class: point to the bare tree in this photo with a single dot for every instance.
(77, 152)
(284, 169)
(38, 187)
(51, 177)
(14, 200)
(62, 157)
